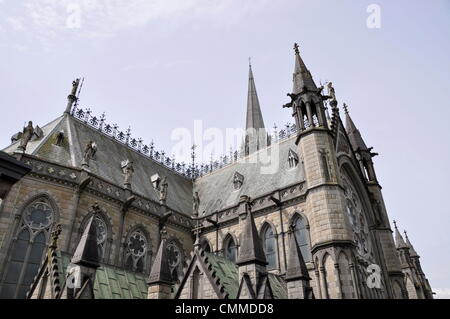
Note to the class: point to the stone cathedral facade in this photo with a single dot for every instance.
(103, 215)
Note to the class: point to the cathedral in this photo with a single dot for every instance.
(89, 212)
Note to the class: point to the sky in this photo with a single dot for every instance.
(159, 65)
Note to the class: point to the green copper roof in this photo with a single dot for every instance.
(112, 282)
(227, 271)
(278, 286)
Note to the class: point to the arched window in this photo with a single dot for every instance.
(230, 249)
(301, 232)
(270, 246)
(136, 251)
(27, 249)
(175, 260)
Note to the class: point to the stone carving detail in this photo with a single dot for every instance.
(292, 159)
(128, 171)
(89, 153)
(29, 133)
(238, 180)
(163, 190)
(357, 218)
(38, 216)
(196, 204)
(331, 92)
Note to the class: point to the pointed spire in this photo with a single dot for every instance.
(302, 76)
(353, 133)
(412, 251)
(160, 272)
(256, 135)
(251, 249)
(254, 115)
(86, 253)
(296, 266)
(399, 242)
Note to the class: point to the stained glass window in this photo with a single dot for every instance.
(27, 249)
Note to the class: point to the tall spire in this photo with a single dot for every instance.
(254, 115)
(302, 76)
(353, 133)
(256, 135)
(399, 242)
(412, 251)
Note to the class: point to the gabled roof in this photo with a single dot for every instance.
(106, 164)
(110, 282)
(216, 189)
(224, 274)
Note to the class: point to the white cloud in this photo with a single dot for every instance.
(442, 293)
(43, 22)
(109, 16)
(15, 23)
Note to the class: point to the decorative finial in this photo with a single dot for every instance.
(250, 62)
(345, 108)
(406, 235)
(55, 236)
(163, 233)
(95, 209)
(296, 48)
(395, 223)
(196, 204)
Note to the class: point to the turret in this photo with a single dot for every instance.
(306, 99)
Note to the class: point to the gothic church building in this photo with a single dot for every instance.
(103, 215)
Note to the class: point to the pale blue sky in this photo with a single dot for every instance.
(159, 65)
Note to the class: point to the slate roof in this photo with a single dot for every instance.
(108, 157)
(216, 189)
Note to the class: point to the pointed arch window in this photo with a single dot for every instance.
(292, 159)
(301, 232)
(27, 249)
(230, 249)
(175, 260)
(136, 251)
(270, 247)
